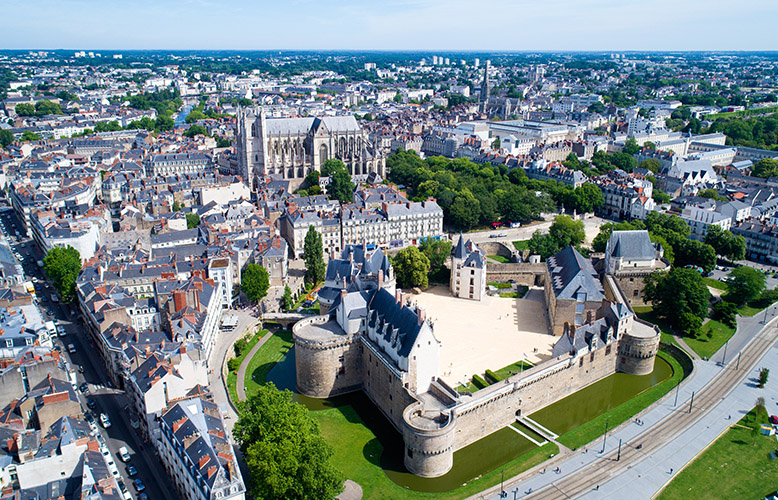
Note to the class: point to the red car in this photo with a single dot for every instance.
(774, 419)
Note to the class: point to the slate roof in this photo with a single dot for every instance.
(571, 273)
(633, 245)
(397, 323)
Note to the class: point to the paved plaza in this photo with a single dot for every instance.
(490, 334)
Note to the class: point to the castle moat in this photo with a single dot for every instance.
(490, 452)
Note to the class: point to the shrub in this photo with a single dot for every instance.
(764, 373)
(479, 382)
(492, 376)
(726, 312)
(233, 364)
(239, 346)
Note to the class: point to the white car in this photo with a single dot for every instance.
(124, 454)
(61, 331)
(105, 420)
(71, 349)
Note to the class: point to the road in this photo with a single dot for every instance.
(670, 436)
(109, 401)
(591, 226)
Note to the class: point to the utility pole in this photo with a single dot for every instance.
(502, 484)
(677, 388)
(618, 457)
(604, 436)
(738, 362)
(724, 358)
(691, 402)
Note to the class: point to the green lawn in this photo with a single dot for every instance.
(737, 463)
(749, 311)
(707, 347)
(646, 313)
(521, 245)
(357, 452)
(518, 366)
(267, 356)
(591, 430)
(500, 285)
(714, 283)
(232, 377)
(499, 258)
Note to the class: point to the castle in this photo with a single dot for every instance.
(468, 270)
(371, 339)
(291, 148)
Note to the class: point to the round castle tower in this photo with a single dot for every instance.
(638, 348)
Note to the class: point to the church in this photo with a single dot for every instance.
(291, 148)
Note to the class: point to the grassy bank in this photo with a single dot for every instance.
(737, 463)
(500, 259)
(521, 245)
(232, 376)
(646, 313)
(707, 347)
(267, 356)
(358, 451)
(591, 430)
(714, 283)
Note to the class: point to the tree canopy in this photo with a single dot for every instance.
(680, 296)
(411, 267)
(313, 255)
(341, 187)
(284, 450)
(766, 167)
(745, 284)
(192, 220)
(564, 232)
(62, 265)
(725, 243)
(437, 251)
(255, 281)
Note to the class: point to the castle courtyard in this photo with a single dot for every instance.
(488, 334)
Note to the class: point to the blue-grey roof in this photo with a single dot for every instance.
(393, 318)
(571, 273)
(631, 245)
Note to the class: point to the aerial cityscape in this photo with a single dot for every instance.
(270, 263)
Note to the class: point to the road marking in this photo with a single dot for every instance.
(538, 443)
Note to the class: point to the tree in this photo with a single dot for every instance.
(313, 255)
(623, 161)
(596, 107)
(660, 196)
(285, 453)
(600, 242)
(62, 265)
(651, 164)
(25, 109)
(766, 167)
(681, 296)
(711, 194)
(764, 374)
(437, 251)
(46, 107)
(398, 98)
(694, 253)
(465, 211)
(192, 220)
(195, 130)
(6, 138)
(564, 232)
(176, 206)
(312, 179)
(725, 243)
(163, 123)
(744, 285)
(411, 268)
(30, 136)
(340, 187)
(587, 198)
(286, 300)
(255, 281)
(631, 146)
(726, 312)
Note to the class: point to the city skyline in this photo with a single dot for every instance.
(421, 25)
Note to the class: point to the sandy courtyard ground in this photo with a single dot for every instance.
(490, 334)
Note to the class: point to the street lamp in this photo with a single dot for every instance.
(604, 436)
(502, 485)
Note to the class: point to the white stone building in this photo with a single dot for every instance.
(468, 271)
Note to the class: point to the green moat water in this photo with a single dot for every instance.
(490, 452)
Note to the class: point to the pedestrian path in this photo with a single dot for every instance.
(241, 385)
(648, 476)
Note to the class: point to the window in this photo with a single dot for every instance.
(607, 350)
(580, 362)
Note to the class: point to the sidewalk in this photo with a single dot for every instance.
(649, 475)
(241, 386)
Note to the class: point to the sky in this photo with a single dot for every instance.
(453, 25)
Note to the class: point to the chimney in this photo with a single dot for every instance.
(380, 279)
(422, 314)
(398, 296)
(179, 300)
(196, 296)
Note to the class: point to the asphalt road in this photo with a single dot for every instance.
(109, 401)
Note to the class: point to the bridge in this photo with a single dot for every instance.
(286, 319)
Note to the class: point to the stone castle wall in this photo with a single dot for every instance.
(637, 354)
(331, 368)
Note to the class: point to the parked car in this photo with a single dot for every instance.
(139, 486)
(105, 420)
(131, 470)
(124, 454)
(71, 349)
(90, 403)
(774, 419)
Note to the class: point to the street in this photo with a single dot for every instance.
(109, 401)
